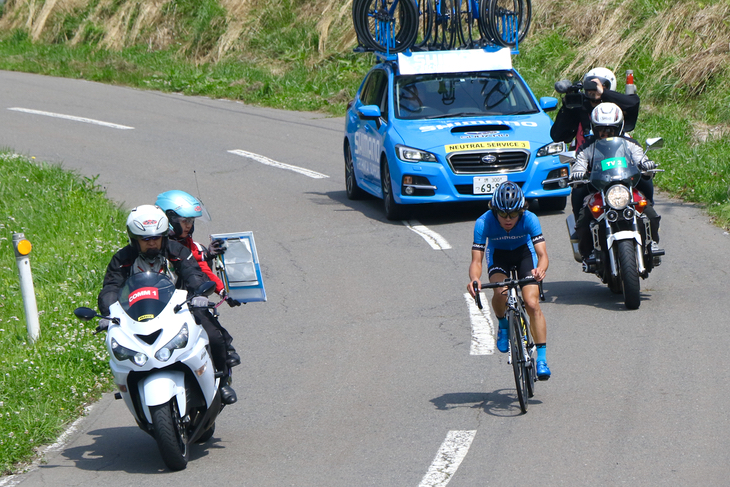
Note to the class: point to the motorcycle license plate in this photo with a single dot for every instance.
(487, 184)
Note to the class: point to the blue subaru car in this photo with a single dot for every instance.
(450, 126)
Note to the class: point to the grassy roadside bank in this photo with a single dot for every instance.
(45, 385)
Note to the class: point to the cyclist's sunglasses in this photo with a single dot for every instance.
(147, 239)
(504, 214)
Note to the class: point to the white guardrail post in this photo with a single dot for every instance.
(22, 248)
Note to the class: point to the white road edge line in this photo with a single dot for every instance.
(71, 117)
(436, 241)
(280, 165)
(482, 327)
(449, 457)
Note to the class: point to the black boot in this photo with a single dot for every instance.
(228, 395)
(232, 358)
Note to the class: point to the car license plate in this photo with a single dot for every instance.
(487, 184)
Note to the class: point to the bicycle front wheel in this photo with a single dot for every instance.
(389, 25)
(517, 350)
(504, 18)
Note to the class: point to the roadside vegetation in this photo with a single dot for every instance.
(71, 226)
(297, 55)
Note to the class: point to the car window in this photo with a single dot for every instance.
(374, 86)
(461, 94)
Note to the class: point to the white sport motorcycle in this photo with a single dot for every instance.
(162, 364)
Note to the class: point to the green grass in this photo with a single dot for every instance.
(71, 225)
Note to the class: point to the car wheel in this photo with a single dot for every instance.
(393, 211)
(353, 190)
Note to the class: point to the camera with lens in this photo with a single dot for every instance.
(573, 93)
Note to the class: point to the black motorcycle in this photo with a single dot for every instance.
(620, 231)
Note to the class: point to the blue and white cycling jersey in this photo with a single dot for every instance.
(527, 231)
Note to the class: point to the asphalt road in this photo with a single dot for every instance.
(358, 368)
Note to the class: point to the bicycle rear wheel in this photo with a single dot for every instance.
(444, 25)
(389, 25)
(518, 358)
(504, 21)
(425, 23)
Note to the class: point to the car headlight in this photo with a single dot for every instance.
(124, 353)
(180, 341)
(551, 149)
(618, 197)
(409, 154)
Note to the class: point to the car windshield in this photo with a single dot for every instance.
(427, 96)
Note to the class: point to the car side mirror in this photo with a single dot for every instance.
(548, 103)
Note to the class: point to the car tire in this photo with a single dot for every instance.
(393, 211)
(353, 190)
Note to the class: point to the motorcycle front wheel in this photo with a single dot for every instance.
(629, 273)
(172, 439)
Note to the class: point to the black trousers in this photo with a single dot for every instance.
(217, 336)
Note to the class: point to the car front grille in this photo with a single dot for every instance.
(471, 162)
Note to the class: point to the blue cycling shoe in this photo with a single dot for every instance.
(543, 372)
(503, 340)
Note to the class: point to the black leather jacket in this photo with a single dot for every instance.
(567, 120)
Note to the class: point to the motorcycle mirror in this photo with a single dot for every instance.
(85, 314)
(205, 289)
(654, 143)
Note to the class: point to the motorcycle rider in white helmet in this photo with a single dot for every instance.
(150, 250)
(607, 120)
(599, 86)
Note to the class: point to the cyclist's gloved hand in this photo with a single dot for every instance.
(577, 175)
(217, 247)
(199, 302)
(647, 165)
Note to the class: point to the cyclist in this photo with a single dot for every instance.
(515, 240)
(181, 210)
(150, 250)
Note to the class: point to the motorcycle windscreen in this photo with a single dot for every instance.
(145, 295)
(612, 163)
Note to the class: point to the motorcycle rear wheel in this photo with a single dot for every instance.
(629, 273)
(172, 439)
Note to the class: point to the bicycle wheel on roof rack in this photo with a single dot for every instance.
(504, 18)
(389, 25)
(444, 26)
(425, 23)
(466, 17)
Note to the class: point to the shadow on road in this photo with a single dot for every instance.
(502, 402)
(587, 293)
(126, 450)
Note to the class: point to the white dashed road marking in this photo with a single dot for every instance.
(280, 165)
(71, 117)
(436, 241)
(449, 457)
(482, 327)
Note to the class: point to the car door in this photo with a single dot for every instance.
(370, 134)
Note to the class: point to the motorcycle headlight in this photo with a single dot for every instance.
(409, 154)
(180, 341)
(124, 353)
(551, 149)
(618, 197)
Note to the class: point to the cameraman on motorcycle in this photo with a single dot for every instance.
(599, 86)
(150, 250)
(181, 210)
(607, 120)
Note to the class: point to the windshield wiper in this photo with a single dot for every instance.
(460, 114)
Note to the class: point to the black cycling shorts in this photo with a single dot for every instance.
(519, 258)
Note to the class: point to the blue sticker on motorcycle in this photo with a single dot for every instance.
(613, 163)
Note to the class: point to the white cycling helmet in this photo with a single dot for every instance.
(605, 76)
(607, 115)
(147, 221)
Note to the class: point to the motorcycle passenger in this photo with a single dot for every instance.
(150, 250)
(515, 240)
(607, 121)
(599, 86)
(181, 210)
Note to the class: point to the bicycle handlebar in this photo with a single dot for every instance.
(509, 283)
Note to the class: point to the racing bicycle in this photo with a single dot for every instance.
(522, 348)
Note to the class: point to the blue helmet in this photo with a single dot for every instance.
(178, 204)
(508, 197)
